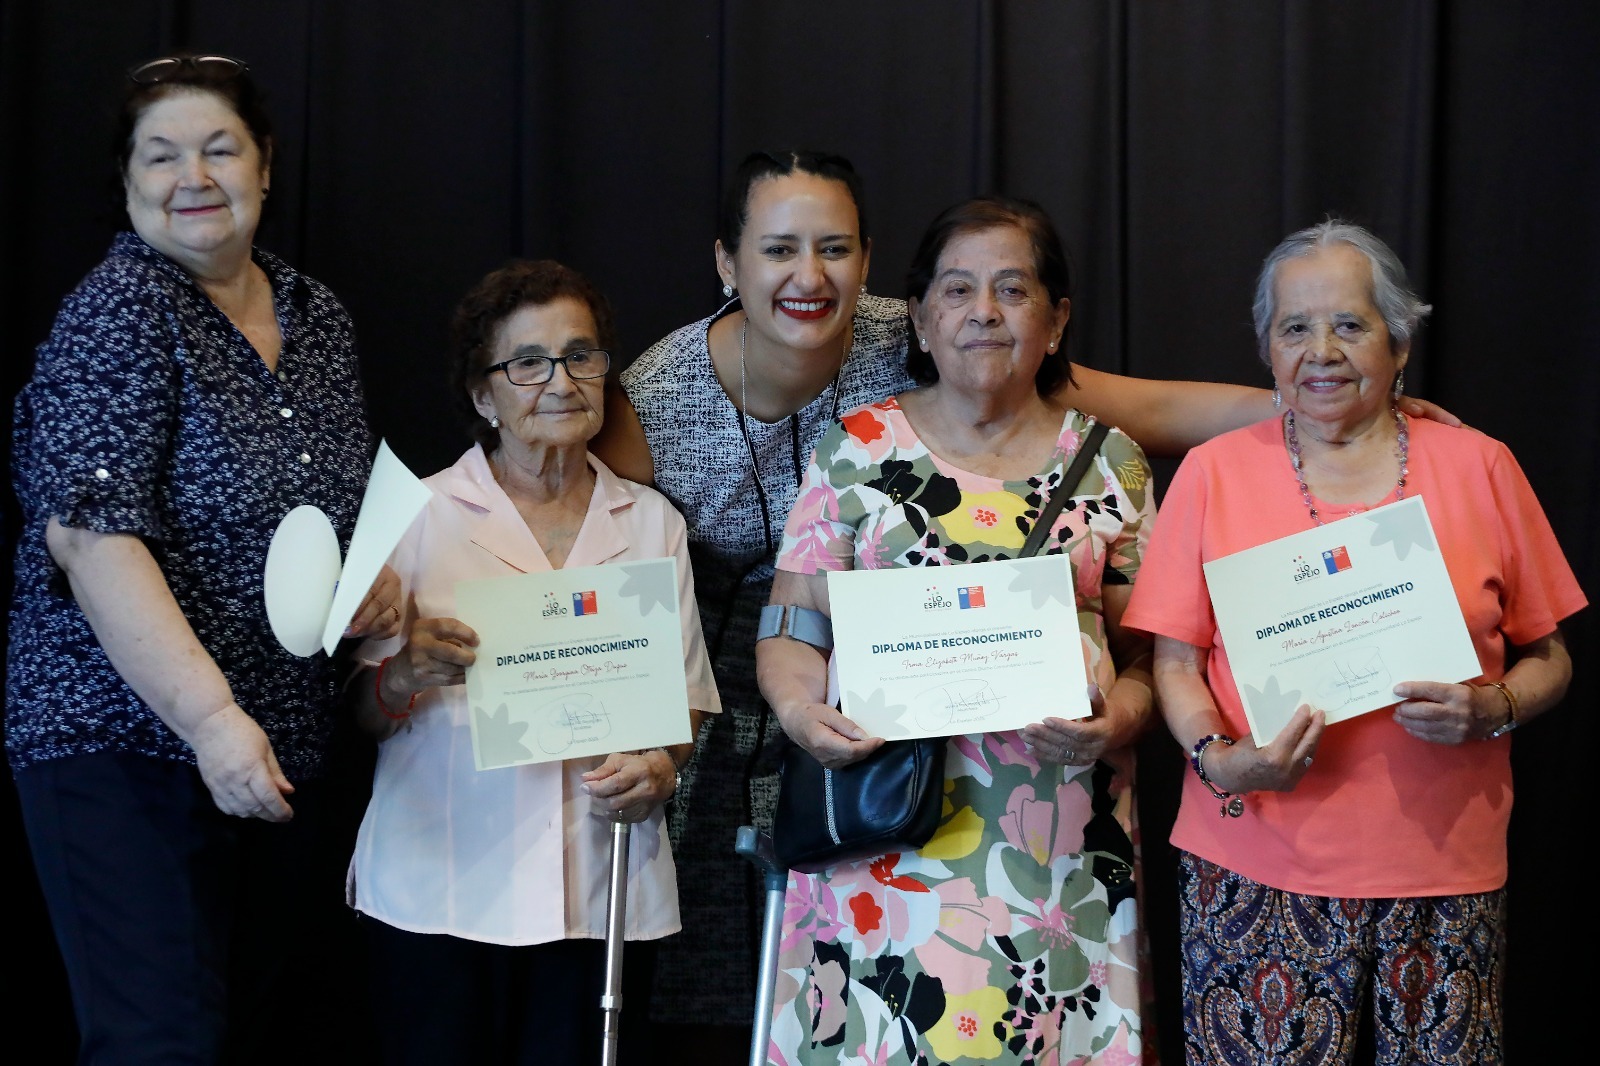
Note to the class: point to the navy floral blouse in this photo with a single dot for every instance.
(149, 414)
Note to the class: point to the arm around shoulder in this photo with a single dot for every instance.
(621, 443)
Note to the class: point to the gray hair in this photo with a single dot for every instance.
(1402, 309)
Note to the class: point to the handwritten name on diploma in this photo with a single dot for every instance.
(965, 658)
(609, 668)
(1323, 636)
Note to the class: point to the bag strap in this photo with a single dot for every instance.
(1058, 499)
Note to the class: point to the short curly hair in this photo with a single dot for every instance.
(501, 294)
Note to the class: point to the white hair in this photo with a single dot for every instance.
(1402, 309)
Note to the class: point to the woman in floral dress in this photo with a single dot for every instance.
(1012, 936)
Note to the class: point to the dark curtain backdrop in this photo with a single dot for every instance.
(421, 144)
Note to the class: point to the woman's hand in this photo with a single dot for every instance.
(378, 617)
(1278, 767)
(1417, 407)
(1449, 714)
(237, 764)
(831, 738)
(627, 787)
(1082, 741)
(436, 653)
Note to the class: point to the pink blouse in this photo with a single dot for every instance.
(514, 855)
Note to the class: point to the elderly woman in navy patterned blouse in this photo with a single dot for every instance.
(192, 391)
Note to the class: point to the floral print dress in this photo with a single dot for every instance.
(1012, 936)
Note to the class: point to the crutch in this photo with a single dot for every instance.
(757, 847)
(616, 926)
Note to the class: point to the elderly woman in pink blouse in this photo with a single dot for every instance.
(489, 889)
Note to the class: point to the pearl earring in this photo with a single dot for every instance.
(494, 423)
(863, 288)
(727, 292)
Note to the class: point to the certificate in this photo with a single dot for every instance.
(940, 651)
(1335, 616)
(578, 662)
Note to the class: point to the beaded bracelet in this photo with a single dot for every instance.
(1232, 806)
(377, 691)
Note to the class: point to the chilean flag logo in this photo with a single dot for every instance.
(583, 603)
(970, 597)
(1336, 560)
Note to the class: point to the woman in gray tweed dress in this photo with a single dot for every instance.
(722, 416)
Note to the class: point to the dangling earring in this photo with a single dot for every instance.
(494, 422)
(727, 292)
(1277, 397)
(1399, 385)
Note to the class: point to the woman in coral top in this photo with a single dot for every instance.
(1369, 853)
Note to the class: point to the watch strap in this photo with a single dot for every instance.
(797, 623)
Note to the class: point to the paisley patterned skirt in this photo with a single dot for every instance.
(1276, 977)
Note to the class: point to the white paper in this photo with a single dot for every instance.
(942, 651)
(393, 499)
(301, 574)
(310, 599)
(1336, 616)
(579, 662)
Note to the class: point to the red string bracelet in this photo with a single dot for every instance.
(377, 692)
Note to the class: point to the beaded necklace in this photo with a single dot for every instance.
(1293, 440)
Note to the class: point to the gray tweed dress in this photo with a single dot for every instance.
(706, 974)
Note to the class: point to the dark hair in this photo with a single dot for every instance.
(233, 85)
(501, 294)
(758, 166)
(1049, 262)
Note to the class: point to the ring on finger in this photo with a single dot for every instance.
(1069, 755)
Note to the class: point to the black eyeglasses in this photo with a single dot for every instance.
(166, 69)
(537, 369)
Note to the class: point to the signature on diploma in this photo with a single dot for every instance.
(956, 703)
(1353, 675)
(575, 718)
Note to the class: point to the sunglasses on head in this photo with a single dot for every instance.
(169, 67)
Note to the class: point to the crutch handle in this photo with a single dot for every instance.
(756, 846)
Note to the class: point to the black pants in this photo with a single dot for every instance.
(188, 936)
(441, 999)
